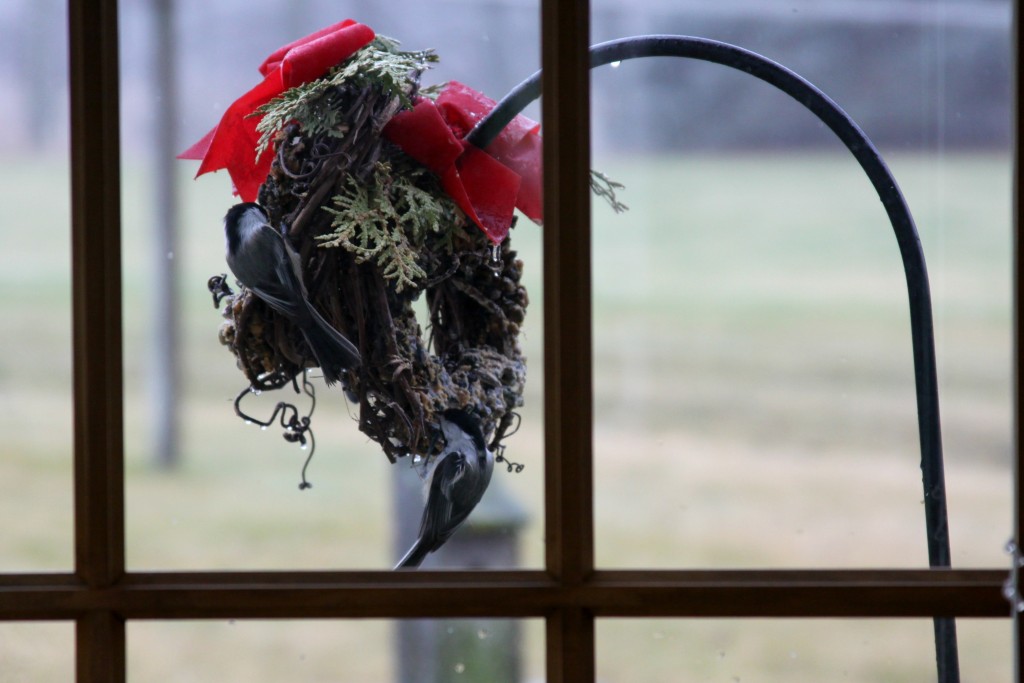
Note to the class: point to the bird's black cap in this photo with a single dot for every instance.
(469, 424)
(231, 217)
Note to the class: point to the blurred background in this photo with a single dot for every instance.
(753, 380)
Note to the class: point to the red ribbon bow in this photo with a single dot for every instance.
(485, 185)
(232, 143)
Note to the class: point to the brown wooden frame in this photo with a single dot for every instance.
(100, 595)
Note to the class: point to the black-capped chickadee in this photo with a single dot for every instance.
(457, 482)
(263, 260)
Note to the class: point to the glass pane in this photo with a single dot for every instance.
(226, 495)
(37, 652)
(35, 293)
(732, 650)
(426, 651)
(754, 385)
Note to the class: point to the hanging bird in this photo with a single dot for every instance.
(456, 483)
(263, 260)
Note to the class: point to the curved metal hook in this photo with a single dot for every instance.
(911, 252)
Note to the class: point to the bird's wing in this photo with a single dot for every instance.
(438, 515)
(284, 291)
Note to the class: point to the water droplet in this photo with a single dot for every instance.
(792, 655)
(451, 630)
(249, 422)
(1011, 546)
(460, 667)
(303, 447)
(496, 253)
(263, 428)
(616, 64)
(170, 256)
(254, 391)
(482, 634)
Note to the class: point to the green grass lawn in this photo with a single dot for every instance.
(754, 408)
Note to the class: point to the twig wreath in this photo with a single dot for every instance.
(367, 177)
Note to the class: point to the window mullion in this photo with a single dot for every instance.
(568, 395)
(96, 325)
(568, 399)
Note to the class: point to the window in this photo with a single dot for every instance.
(581, 605)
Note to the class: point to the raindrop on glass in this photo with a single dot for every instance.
(460, 667)
(170, 256)
(482, 634)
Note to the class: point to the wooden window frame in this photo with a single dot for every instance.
(100, 595)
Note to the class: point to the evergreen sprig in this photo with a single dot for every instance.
(388, 219)
(315, 106)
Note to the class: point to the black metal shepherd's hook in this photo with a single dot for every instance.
(921, 325)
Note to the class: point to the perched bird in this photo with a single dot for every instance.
(263, 260)
(456, 483)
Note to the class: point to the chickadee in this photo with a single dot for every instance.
(457, 482)
(263, 260)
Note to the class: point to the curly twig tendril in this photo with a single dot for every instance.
(296, 428)
(219, 288)
(502, 432)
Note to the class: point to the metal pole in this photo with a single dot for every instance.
(911, 252)
(475, 650)
(164, 366)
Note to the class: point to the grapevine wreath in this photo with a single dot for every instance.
(366, 174)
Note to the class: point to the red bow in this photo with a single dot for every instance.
(485, 185)
(232, 144)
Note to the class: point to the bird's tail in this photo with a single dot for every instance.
(417, 553)
(333, 351)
